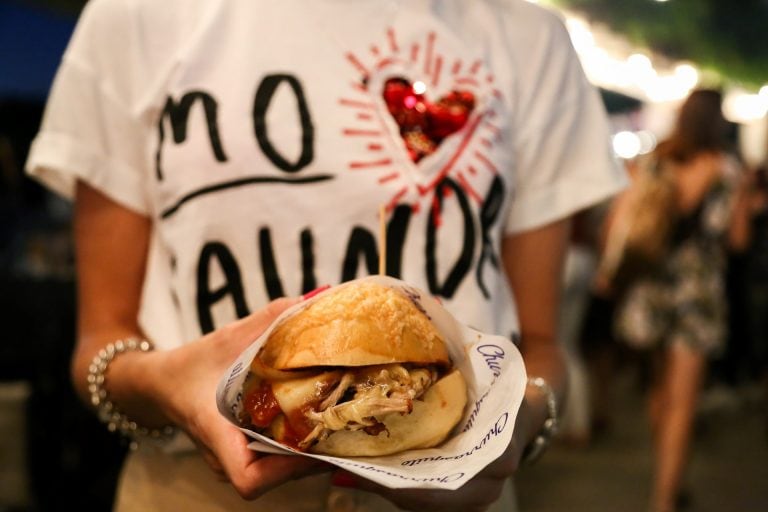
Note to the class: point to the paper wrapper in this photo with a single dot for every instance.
(495, 375)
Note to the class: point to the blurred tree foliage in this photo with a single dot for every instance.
(728, 36)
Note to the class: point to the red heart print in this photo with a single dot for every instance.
(423, 124)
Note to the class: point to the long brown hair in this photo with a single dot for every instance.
(700, 127)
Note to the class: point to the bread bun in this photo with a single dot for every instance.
(428, 425)
(358, 324)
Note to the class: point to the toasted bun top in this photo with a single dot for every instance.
(359, 324)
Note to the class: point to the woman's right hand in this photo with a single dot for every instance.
(179, 385)
(187, 385)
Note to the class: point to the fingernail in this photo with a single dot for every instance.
(344, 479)
(315, 292)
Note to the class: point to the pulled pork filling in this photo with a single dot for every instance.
(365, 394)
(303, 411)
(300, 412)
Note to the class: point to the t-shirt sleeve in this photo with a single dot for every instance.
(563, 157)
(90, 131)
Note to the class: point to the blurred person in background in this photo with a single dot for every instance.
(677, 309)
(739, 376)
(597, 345)
(224, 154)
(587, 409)
(752, 361)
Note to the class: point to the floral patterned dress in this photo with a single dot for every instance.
(684, 299)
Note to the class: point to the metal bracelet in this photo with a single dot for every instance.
(548, 431)
(108, 412)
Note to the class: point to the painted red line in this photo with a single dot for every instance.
(467, 81)
(375, 147)
(364, 116)
(367, 165)
(456, 67)
(468, 188)
(396, 198)
(493, 128)
(488, 143)
(355, 62)
(475, 66)
(498, 94)
(357, 104)
(447, 167)
(438, 68)
(359, 86)
(430, 49)
(490, 79)
(414, 52)
(437, 218)
(385, 62)
(389, 177)
(392, 40)
(487, 162)
(357, 131)
(472, 170)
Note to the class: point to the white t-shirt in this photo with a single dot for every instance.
(254, 133)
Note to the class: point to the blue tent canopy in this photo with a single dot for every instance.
(32, 41)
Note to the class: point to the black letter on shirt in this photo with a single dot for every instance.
(269, 264)
(463, 264)
(489, 212)
(264, 95)
(397, 228)
(362, 242)
(179, 115)
(233, 284)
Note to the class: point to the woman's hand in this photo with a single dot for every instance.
(188, 384)
(112, 243)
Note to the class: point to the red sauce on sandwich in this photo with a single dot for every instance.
(262, 405)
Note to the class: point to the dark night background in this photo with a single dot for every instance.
(71, 458)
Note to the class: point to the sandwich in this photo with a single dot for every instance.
(360, 371)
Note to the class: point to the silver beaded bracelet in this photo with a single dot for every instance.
(536, 448)
(107, 411)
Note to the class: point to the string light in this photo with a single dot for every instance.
(634, 75)
(688, 75)
(626, 144)
(647, 141)
(610, 62)
(742, 107)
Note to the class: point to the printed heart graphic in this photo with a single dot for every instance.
(423, 124)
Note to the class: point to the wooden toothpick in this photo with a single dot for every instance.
(382, 240)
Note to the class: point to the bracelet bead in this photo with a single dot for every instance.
(548, 431)
(107, 411)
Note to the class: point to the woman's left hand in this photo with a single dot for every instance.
(192, 373)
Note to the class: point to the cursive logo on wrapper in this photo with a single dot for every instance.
(493, 355)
